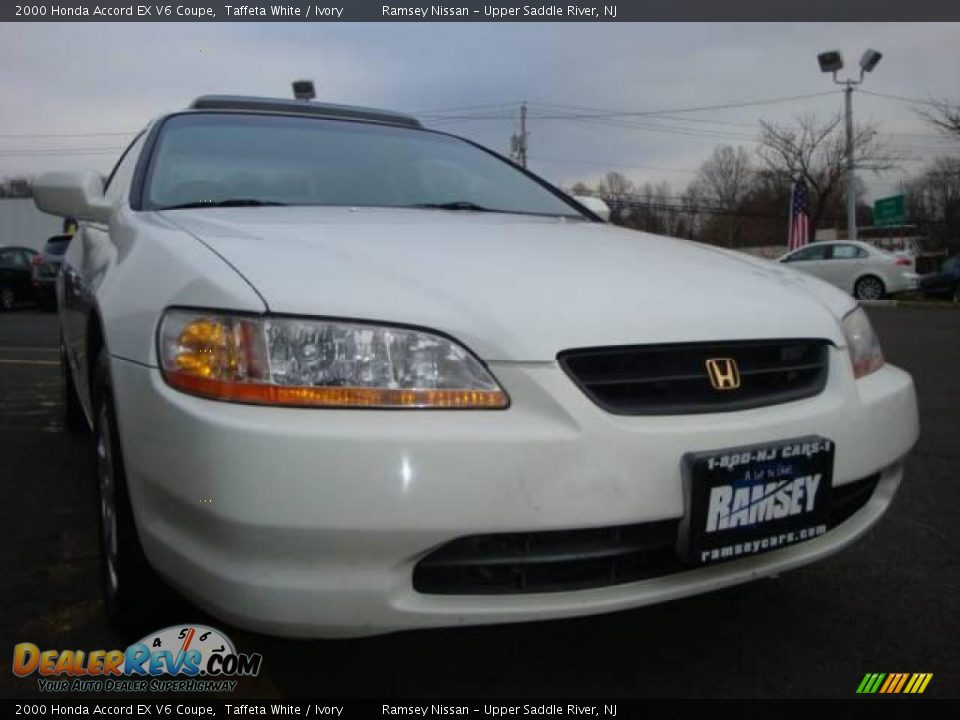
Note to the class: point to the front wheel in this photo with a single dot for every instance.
(128, 581)
(7, 298)
(869, 288)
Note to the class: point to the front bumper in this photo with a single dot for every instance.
(307, 522)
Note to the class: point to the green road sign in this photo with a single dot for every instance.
(889, 211)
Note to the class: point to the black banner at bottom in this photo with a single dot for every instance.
(635, 708)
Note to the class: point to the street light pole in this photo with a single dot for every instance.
(832, 62)
(851, 177)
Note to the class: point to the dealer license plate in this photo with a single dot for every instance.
(756, 498)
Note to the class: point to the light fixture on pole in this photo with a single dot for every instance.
(832, 62)
(303, 90)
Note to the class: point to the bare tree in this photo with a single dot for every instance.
(16, 187)
(617, 190)
(815, 151)
(943, 115)
(933, 203)
(724, 180)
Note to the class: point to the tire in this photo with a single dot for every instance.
(869, 287)
(956, 294)
(74, 419)
(128, 582)
(8, 300)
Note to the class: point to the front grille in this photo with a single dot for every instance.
(673, 379)
(563, 560)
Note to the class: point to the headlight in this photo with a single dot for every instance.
(319, 363)
(862, 343)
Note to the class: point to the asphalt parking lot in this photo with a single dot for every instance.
(888, 604)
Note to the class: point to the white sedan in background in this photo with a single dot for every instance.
(858, 268)
(347, 375)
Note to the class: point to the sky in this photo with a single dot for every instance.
(73, 94)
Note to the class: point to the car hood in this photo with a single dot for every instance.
(511, 287)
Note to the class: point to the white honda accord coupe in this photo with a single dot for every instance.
(348, 376)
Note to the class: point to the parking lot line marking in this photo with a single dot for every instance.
(6, 361)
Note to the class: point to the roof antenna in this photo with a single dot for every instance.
(303, 90)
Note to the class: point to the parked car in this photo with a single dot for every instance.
(46, 266)
(945, 283)
(858, 268)
(348, 375)
(15, 278)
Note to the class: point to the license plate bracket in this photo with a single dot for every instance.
(751, 499)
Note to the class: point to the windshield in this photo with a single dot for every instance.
(243, 160)
(57, 245)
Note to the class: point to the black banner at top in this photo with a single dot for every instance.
(476, 11)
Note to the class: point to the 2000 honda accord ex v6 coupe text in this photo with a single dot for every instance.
(348, 376)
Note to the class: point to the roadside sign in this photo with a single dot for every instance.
(889, 211)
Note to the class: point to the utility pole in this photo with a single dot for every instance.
(518, 142)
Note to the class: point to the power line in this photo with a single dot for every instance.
(900, 98)
(585, 112)
(462, 108)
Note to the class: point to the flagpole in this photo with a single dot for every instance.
(793, 187)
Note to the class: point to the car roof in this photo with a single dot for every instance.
(303, 107)
(825, 243)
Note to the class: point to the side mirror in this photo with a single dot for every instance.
(595, 205)
(74, 194)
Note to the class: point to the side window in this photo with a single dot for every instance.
(848, 252)
(811, 252)
(119, 179)
(15, 258)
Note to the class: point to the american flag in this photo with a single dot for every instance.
(799, 215)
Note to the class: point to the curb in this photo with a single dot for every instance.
(925, 304)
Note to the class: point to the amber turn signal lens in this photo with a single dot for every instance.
(319, 363)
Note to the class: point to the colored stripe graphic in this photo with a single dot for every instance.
(900, 682)
(894, 683)
(862, 687)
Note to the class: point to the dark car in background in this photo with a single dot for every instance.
(46, 266)
(16, 278)
(945, 283)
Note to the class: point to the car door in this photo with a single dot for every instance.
(946, 281)
(844, 264)
(84, 265)
(810, 259)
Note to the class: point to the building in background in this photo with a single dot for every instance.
(22, 224)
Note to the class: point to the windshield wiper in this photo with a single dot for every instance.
(237, 202)
(455, 205)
